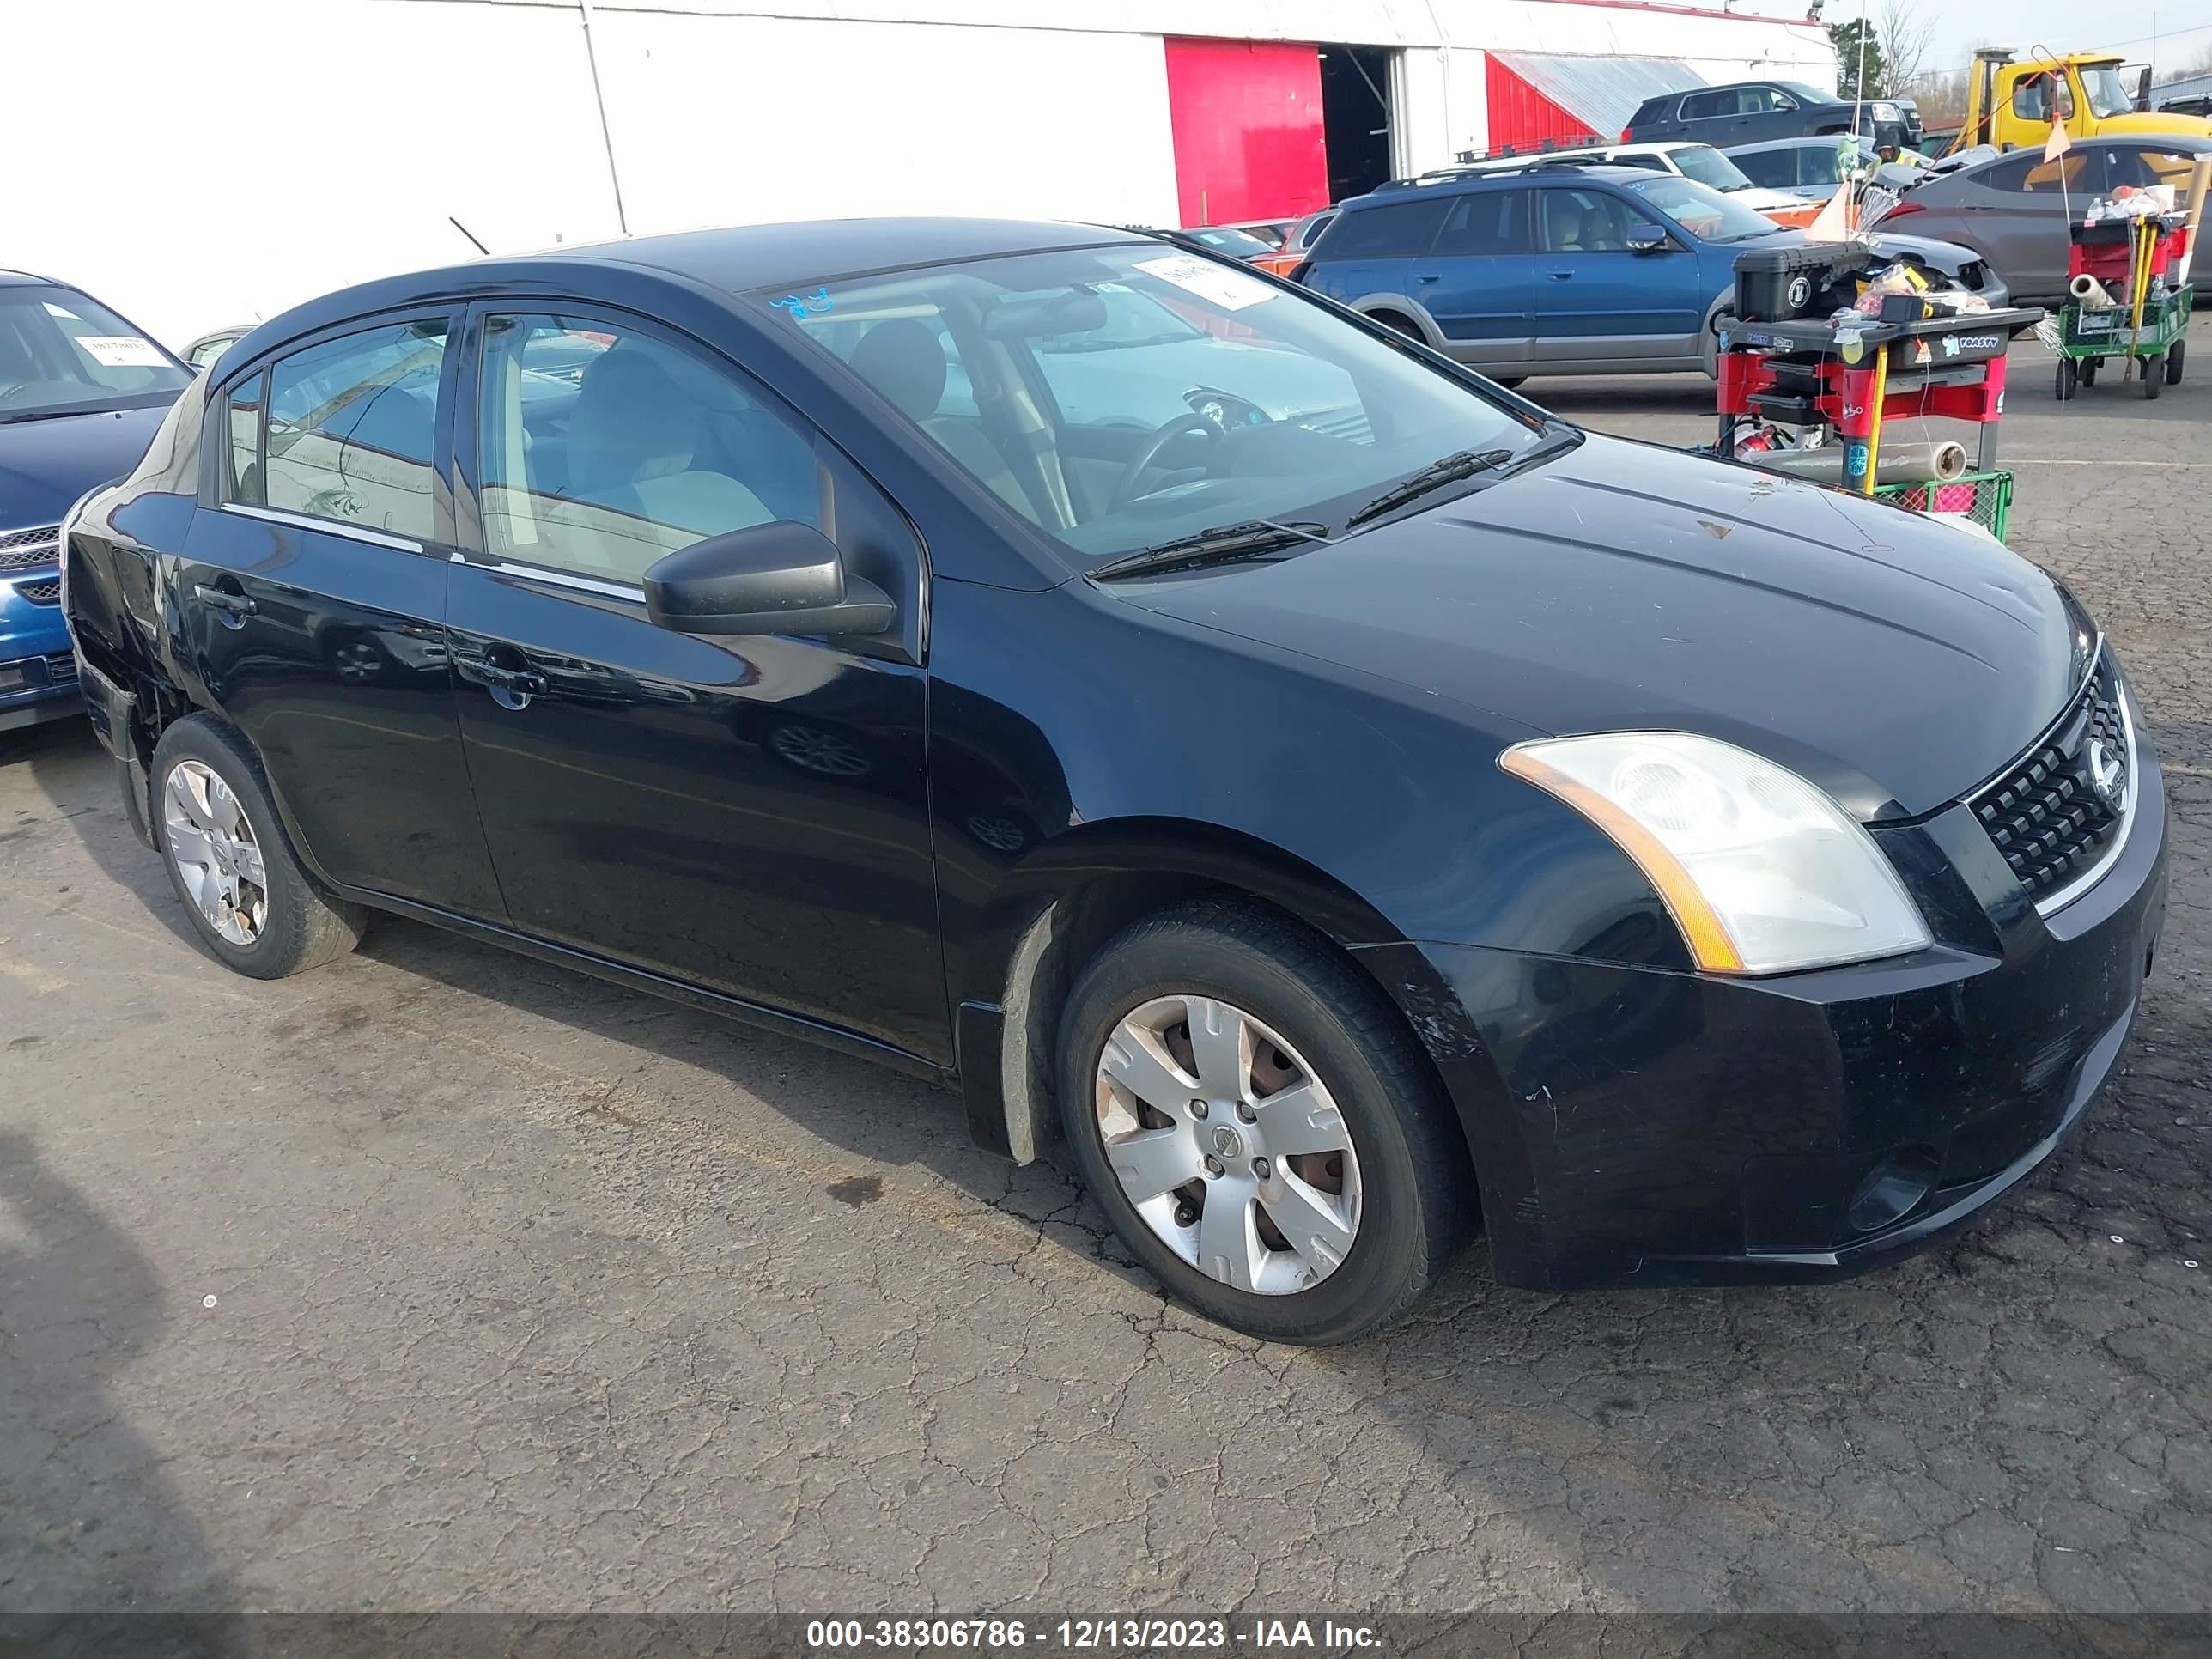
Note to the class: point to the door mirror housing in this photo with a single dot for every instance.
(776, 578)
(1644, 237)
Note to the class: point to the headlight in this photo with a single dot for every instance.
(1762, 872)
(1886, 112)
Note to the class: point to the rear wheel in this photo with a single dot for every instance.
(1257, 1122)
(249, 900)
(2153, 373)
(1398, 322)
(2067, 376)
(2089, 366)
(2173, 355)
(1510, 382)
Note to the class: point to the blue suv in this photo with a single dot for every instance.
(1560, 269)
(81, 393)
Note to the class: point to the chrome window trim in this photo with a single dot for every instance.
(328, 526)
(633, 591)
(2059, 898)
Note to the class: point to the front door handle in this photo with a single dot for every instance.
(528, 682)
(1428, 279)
(222, 599)
(510, 688)
(1561, 275)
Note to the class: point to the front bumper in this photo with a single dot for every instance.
(36, 690)
(1640, 1125)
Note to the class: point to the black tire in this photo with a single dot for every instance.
(2089, 366)
(2173, 356)
(1418, 1200)
(304, 928)
(1510, 382)
(2154, 374)
(1399, 323)
(2067, 376)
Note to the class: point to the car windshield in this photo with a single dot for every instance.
(1051, 379)
(1804, 93)
(1704, 213)
(62, 354)
(2107, 93)
(1711, 168)
(1237, 243)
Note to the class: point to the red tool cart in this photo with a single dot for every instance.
(1852, 384)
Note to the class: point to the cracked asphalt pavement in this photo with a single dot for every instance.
(440, 1279)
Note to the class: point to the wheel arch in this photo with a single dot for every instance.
(1053, 913)
(1403, 304)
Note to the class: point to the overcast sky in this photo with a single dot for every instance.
(2185, 26)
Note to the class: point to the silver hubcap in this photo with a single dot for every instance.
(1228, 1146)
(216, 852)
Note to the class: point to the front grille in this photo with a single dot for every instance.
(48, 592)
(61, 668)
(20, 550)
(2066, 801)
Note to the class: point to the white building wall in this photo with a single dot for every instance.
(219, 162)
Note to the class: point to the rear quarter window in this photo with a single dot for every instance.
(1394, 230)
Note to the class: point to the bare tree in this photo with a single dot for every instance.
(1906, 32)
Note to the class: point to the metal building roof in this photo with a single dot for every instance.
(1603, 91)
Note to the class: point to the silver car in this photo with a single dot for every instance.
(2013, 208)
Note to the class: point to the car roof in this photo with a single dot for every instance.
(24, 279)
(732, 260)
(1446, 181)
(2179, 143)
(1801, 142)
(744, 257)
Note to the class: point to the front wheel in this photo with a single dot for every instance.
(2154, 374)
(2068, 375)
(249, 900)
(1259, 1127)
(2173, 355)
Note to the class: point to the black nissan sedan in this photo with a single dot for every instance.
(1342, 803)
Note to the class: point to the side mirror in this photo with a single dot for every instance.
(778, 578)
(1644, 237)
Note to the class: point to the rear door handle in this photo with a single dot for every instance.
(1562, 276)
(235, 608)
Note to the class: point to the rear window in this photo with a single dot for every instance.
(1394, 231)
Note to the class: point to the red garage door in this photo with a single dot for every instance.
(1248, 129)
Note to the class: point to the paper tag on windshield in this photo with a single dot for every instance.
(53, 310)
(122, 351)
(1230, 290)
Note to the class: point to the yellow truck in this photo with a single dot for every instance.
(2011, 105)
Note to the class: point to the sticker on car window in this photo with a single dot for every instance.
(122, 351)
(53, 310)
(1231, 290)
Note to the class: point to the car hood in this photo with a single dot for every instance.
(46, 464)
(1949, 257)
(1759, 198)
(1896, 661)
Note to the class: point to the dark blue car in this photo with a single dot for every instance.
(81, 392)
(1564, 270)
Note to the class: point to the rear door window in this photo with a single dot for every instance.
(353, 428)
(1400, 230)
(1487, 222)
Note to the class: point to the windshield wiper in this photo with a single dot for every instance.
(10, 416)
(1435, 475)
(1226, 543)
